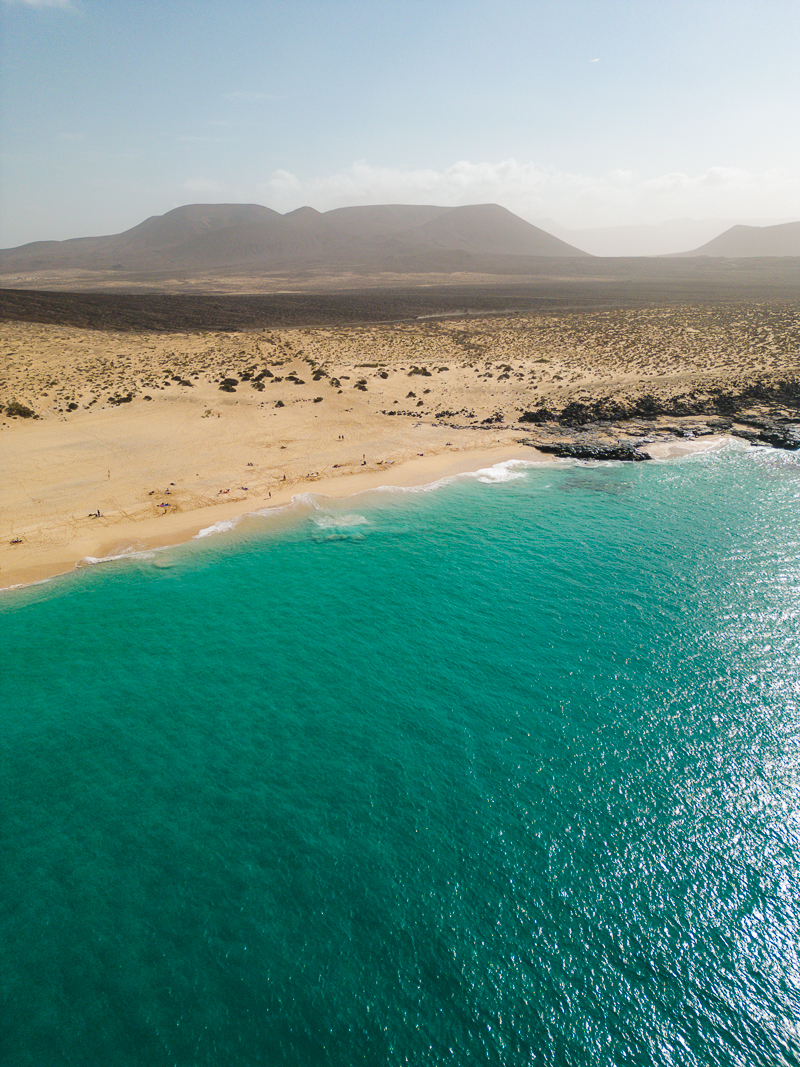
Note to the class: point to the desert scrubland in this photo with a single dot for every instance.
(163, 433)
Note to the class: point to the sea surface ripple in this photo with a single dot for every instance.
(504, 773)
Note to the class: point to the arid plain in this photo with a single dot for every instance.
(164, 433)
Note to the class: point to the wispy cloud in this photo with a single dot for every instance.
(537, 192)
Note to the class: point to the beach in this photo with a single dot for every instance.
(143, 438)
(355, 774)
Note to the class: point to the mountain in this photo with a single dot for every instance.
(741, 242)
(152, 240)
(648, 239)
(372, 222)
(249, 237)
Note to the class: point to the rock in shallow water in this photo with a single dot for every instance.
(586, 451)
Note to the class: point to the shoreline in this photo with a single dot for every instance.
(112, 441)
(128, 539)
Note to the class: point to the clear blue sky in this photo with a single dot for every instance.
(588, 112)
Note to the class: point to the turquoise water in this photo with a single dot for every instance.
(505, 772)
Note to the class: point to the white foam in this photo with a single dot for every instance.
(337, 522)
(28, 585)
(427, 488)
(218, 527)
(501, 472)
(685, 450)
(308, 500)
(507, 471)
(275, 509)
(125, 553)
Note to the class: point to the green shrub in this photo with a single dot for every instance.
(15, 409)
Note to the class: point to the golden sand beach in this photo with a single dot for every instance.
(164, 434)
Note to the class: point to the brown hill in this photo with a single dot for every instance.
(150, 242)
(249, 237)
(491, 229)
(373, 222)
(744, 242)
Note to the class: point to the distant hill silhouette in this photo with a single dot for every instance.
(249, 237)
(671, 236)
(742, 242)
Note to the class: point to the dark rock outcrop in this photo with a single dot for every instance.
(713, 401)
(587, 451)
(766, 432)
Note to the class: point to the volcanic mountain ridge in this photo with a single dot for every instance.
(249, 237)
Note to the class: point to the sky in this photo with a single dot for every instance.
(580, 113)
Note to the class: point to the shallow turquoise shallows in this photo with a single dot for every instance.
(505, 772)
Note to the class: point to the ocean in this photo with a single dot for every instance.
(501, 771)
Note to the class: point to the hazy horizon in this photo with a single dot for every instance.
(581, 116)
(655, 239)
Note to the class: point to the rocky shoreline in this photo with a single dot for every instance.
(604, 440)
(759, 412)
(596, 441)
(577, 432)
